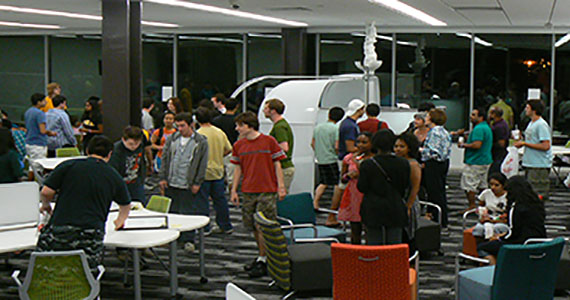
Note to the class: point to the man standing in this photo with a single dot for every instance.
(146, 119)
(348, 132)
(257, 157)
(537, 158)
(219, 101)
(283, 133)
(184, 162)
(477, 157)
(226, 123)
(129, 160)
(37, 133)
(53, 89)
(508, 114)
(501, 134)
(58, 122)
(325, 145)
(85, 189)
(213, 185)
(372, 124)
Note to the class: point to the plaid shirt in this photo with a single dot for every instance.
(20, 141)
(437, 145)
(58, 121)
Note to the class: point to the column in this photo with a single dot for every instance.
(294, 51)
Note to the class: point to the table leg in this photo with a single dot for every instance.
(203, 278)
(173, 269)
(137, 274)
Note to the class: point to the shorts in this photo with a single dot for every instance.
(35, 152)
(288, 174)
(539, 180)
(329, 174)
(254, 202)
(474, 177)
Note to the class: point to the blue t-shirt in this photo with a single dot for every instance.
(535, 133)
(482, 156)
(34, 117)
(348, 130)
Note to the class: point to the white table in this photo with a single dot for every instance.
(51, 163)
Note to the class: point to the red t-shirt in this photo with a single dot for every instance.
(256, 158)
(371, 125)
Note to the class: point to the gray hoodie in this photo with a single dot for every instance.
(198, 164)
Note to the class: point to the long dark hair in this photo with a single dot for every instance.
(412, 142)
(520, 191)
(95, 110)
(6, 141)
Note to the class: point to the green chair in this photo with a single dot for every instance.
(67, 152)
(299, 267)
(59, 275)
(523, 272)
(159, 204)
(297, 211)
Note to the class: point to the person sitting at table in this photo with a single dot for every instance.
(183, 170)
(85, 187)
(10, 166)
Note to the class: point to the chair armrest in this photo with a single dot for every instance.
(416, 259)
(16, 279)
(465, 214)
(317, 240)
(326, 210)
(289, 222)
(473, 258)
(457, 267)
(101, 272)
(555, 227)
(296, 226)
(434, 206)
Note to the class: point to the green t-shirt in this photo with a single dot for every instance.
(282, 132)
(482, 156)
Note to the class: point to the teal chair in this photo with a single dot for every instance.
(523, 272)
(298, 214)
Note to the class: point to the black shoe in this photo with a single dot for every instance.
(248, 267)
(259, 270)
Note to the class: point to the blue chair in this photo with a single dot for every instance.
(523, 272)
(297, 211)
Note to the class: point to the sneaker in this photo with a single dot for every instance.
(219, 230)
(259, 269)
(249, 266)
(189, 247)
(208, 231)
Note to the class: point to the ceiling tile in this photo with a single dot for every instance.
(471, 3)
(485, 17)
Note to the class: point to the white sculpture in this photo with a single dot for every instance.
(371, 62)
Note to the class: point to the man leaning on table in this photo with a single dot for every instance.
(537, 158)
(85, 187)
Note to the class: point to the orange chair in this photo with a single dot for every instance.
(373, 272)
(469, 241)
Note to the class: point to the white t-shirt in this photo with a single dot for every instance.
(495, 205)
(184, 141)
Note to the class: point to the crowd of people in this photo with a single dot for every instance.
(377, 176)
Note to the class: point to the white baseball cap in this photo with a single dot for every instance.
(353, 106)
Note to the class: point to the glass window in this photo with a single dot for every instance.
(156, 67)
(562, 88)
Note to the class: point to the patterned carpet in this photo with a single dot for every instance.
(226, 255)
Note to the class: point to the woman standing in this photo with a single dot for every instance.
(422, 129)
(407, 146)
(383, 181)
(175, 105)
(91, 121)
(350, 204)
(435, 155)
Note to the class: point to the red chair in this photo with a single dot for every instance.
(373, 272)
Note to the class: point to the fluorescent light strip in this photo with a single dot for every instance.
(210, 39)
(563, 40)
(264, 35)
(26, 25)
(410, 11)
(477, 40)
(229, 12)
(387, 38)
(336, 42)
(56, 13)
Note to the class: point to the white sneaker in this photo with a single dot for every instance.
(189, 247)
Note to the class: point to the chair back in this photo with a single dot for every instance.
(19, 205)
(370, 272)
(59, 275)
(278, 265)
(297, 208)
(527, 271)
(233, 292)
(159, 204)
(67, 152)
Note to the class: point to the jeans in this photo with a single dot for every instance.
(137, 193)
(186, 203)
(215, 189)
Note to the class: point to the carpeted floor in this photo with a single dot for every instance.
(226, 255)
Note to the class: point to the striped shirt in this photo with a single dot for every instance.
(58, 121)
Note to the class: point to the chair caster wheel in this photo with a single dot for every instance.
(203, 280)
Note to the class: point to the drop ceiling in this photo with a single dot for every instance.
(490, 16)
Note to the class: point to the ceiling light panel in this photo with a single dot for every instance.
(228, 12)
(27, 25)
(55, 13)
(409, 11)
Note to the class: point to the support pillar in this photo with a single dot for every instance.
(294, 45)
